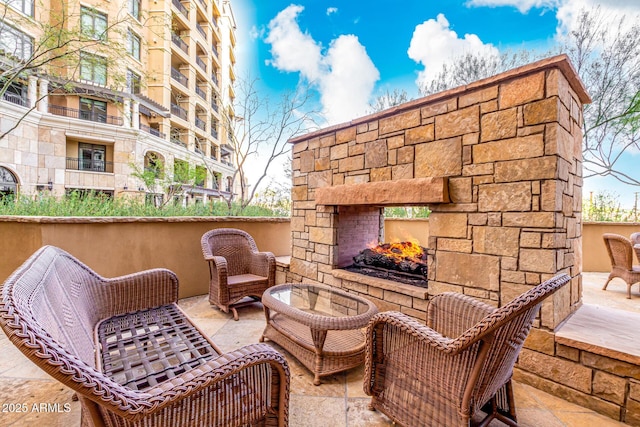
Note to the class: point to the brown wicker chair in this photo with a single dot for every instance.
(462, 361)
(620, 251)
(236, 269)
(129, 352)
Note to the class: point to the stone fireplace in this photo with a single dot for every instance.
(499, 164)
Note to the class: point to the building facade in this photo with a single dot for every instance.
(134, 86)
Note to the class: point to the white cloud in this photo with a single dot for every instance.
(434, 44)
(566, 10)
(293, 50)
(348, 84)
(332, 10)
(522, 5)
(344, 74)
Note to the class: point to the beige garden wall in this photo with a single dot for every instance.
(115, 246)
(118, 246)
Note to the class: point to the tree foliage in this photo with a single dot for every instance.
(260, 128)
(158, 180)
(607, 59)
(389, 99)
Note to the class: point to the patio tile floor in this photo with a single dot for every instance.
(339, 401)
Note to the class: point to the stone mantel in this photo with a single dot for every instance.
(404, 192)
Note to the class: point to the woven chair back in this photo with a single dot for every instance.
(620, 251)
(234, 245)
(61, 310)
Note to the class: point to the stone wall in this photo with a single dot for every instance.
(508, 151)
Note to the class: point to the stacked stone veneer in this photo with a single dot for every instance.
(510, 151)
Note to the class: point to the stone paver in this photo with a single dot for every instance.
(339, 401)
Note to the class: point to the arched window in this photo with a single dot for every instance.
(8, 182)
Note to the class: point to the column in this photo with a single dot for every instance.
(43, 104)
(126, 112)
(135, 116)
(32, 91)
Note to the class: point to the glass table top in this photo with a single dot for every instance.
(320, 300)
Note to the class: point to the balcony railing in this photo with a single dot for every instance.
(201, 64)
(200, 124)
(177, 110)
(177, 141)
(181, 8)
(177, 40)
(214, 105)
(214, 132)
(201, 93)
(181, 78)
(152, 131)
(214, 48)
(16, 99)
(201, 30)
(93, 116)
(74, 163)
(214, 79)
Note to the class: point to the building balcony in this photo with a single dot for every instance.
(201, 93)
(152, 131)
(177, 40)
(200, 124)
(214, 132)
(201, 64)
(94, 116)
(178, 111)
(90, 165)
(179, 77)
(16, 99)
(201, 30)
(214, 79)
(214, 48)
(214, 105)
(183, 10)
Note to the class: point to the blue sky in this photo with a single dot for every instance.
(348, 52)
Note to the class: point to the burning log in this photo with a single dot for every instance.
(406, 257)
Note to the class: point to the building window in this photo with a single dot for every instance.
(91, 157)
(8, 183)
(133, 41)
(133, 82)
(134, 8)
(24, 6)
(93, 24)
(14, 42)
(91, 109)
(93, 68)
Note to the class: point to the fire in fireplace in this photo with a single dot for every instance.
(404, 262)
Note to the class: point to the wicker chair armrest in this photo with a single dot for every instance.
(263, 263)
(412, 341)
(138, 291)
(212, 374)
(452, 313)
(218, 268)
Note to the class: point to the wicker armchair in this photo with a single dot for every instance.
(131, 355)
(620, 251)
(236, 268)
(462, 361)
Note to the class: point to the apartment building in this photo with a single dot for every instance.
(142, 85)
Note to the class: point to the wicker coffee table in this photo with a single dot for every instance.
(319, 325)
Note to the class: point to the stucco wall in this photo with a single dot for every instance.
(117, 246)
